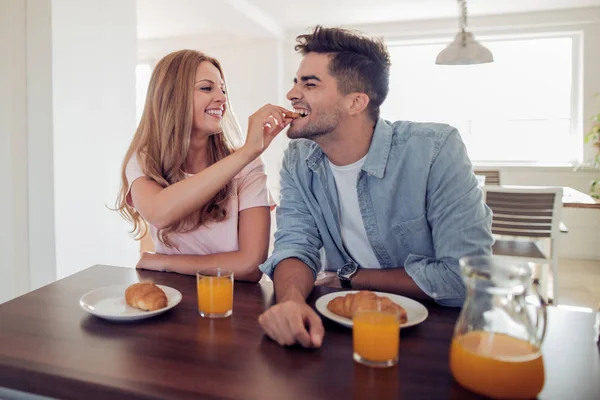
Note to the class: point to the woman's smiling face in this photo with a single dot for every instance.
(210, 99)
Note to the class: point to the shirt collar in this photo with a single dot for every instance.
(377, 156)
(379, 151)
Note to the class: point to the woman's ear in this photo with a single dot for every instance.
(356, 102)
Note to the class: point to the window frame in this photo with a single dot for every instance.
(576, 135)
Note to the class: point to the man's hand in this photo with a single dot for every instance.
(291, 322)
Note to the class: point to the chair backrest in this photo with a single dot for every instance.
(492, 176)
(532, 212)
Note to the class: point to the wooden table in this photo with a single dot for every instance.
(575, 199)
(49, 346)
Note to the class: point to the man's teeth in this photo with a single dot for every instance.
(214, 112)
(303, 113)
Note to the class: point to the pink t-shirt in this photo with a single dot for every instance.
(249, 189)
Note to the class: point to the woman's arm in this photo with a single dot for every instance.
(162, 207)
(254, 231)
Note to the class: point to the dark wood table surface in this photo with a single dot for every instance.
(573, 198)
(49, 346)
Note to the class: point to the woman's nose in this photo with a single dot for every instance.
(221, 97)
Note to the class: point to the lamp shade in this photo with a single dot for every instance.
(464, 50)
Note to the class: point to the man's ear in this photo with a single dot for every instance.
(356, 102)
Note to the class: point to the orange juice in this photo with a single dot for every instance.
(497, 365)
(215, 296)
(376, 337)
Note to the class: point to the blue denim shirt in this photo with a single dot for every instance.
(419, 201)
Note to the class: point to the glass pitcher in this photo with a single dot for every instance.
(497, 339)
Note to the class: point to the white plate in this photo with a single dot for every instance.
(415, 311)
(109, 303)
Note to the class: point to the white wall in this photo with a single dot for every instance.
(14, 271)
(253, 73)
(94, 58)
(27, 199)
(40, 157)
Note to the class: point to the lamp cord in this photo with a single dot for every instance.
(462, 4)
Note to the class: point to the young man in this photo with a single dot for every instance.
(393, 206)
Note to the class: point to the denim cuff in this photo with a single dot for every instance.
(269, 266)
(445, 290)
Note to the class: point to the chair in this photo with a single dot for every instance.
(492, 176)
(521, 218)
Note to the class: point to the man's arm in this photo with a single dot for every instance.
(291, 320)
(297, 235)
(393, 280)
(460, 223)
(293, 281)
(293, 267)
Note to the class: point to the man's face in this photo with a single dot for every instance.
(314, 95)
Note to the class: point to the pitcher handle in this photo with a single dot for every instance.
(541, 317)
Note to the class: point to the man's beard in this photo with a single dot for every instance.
(314, 129)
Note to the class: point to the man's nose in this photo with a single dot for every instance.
(293, 94)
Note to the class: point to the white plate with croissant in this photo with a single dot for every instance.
(339, 306)
(130, 302)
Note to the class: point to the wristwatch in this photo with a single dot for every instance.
(346, 273)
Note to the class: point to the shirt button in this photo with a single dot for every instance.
(434, 295)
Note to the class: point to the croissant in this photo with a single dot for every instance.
(346, 306)
(145, 296)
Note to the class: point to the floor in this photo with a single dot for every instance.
(579, 283)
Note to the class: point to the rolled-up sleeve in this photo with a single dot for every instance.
(133, 171)
(460, 224)
(297, 233)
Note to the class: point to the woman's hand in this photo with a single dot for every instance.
(264, 125)
(152, 261)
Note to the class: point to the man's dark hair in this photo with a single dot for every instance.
(360, 64)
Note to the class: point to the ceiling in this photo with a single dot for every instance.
(176, 18)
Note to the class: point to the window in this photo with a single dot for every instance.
(519, 109)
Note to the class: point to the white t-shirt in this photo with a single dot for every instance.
(352, 227)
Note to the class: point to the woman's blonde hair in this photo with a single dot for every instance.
(162, 141)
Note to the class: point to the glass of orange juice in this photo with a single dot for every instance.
(376, 337)
(215, 292)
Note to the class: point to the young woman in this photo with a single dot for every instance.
(203, 199)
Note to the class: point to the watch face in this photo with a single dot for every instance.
(347, 269)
